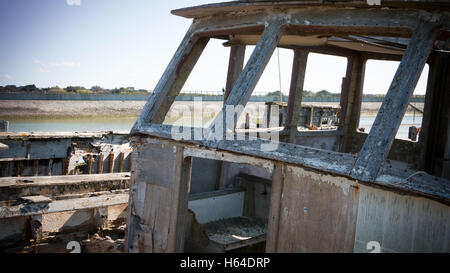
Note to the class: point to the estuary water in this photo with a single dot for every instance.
(93, 124)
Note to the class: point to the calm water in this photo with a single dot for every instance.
(92, 124)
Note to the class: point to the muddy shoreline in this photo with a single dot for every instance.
(63, 109)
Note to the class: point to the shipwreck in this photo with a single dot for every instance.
(275, 188)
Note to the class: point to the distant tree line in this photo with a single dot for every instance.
(328, 95)
(71, 89)
(323, 94)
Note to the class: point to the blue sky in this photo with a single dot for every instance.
(120, 43)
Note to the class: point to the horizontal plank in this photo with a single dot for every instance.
(252, 6)
(63, 205)
(56, 135)
(23, 182)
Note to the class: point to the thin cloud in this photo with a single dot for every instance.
(65, 64)
(6, 76)
(45, 67)
(73, 2)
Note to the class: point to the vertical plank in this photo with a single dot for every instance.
(121, 158)
(111, 162)
(275, 208)
(19, 167)
(158, 198)
(249, 77)
(100, 163)
(36, 167)
(90, 163)
(65, 166)
(249, 199)
(50, 167)
(235, 66)
(181, 193)
(296, 92)
(351, 98)
(173, 79)
(390, 115)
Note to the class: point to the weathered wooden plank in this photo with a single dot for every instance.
(235, 66)
(249, 152)
(275, 208)
(100, 163)
(387, 122)
(172, 80)
(121, 159)
(36, 167)
(245, 7)
(318, 212)
(181, 194)
(401, 223)
(63, 205)
(159, 198)
(249, 77)
(296, 92)
(111, 162)
(90, 163)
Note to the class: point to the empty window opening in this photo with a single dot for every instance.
(377, 79)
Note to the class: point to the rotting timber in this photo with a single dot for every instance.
(332, 191)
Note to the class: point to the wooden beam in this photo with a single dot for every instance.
(158, 199)
(352, 98)
(275, 208)
(121, 159)
(235, 66)
(253, 70)
(63, 205)
(296, 92)
(173, 79)
(111, 162)
(390, 115)
(100, 164)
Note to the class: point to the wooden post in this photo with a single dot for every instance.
(121, 158)
(311, 116)
(173, 79)
(275, 207)
(36, 167)
(390, 115)
(111, 162)
(235, 65)
(296, 92)
(19, 168)
(50, 167)
(351, 107)
(243, 88)
(158, 198)
(100, 163)
(90, 163)
(4, 125)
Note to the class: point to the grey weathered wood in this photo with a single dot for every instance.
(253, 70)
(4, 125)
(110, 162)
(172, 80)
(275, 208)
(158, 199)
(235, 66)
(390, 115)
(121, 159)
(296, 92)
(100, 164)
(63, 205)
(351, 109)
(182, 191)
